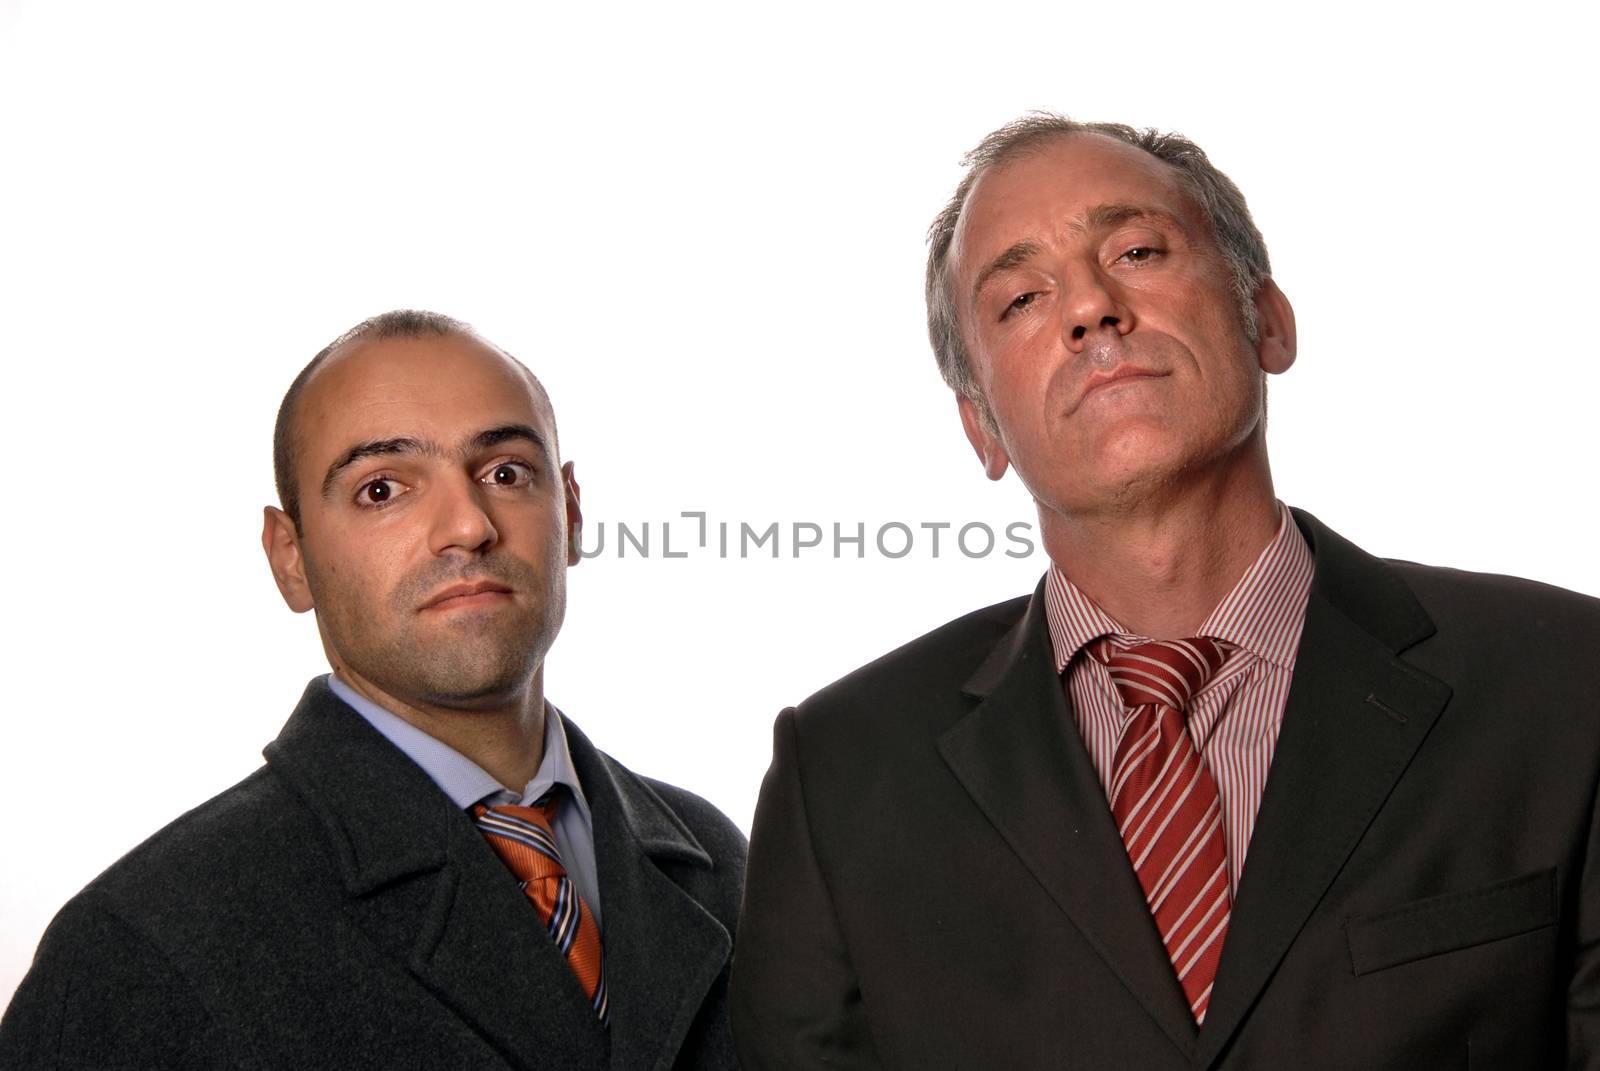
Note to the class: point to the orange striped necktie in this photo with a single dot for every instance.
(522, 838)
(1166, 806)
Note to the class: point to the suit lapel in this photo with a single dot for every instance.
(663, 950)
(483, 950)
(427, 890)
(1356, 715)
(1020, 757)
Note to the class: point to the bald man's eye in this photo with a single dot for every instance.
(379, 492)
(509, 474)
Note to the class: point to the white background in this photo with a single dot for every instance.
(702, 227)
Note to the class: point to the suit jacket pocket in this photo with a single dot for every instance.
(1452, 921)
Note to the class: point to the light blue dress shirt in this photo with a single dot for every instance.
(467, 783)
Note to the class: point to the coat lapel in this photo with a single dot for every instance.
(427, 890)
(663, 950)
(1356, 715)
(1020, 757)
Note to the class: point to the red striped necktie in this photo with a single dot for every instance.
(522, 838)
(1166, 805)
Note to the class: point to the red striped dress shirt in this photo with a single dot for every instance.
(1235, 718)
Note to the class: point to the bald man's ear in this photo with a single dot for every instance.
(282, 544)
(985, 441)
(1275, 348)
(569, 477)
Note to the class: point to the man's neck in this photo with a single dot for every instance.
(506, 741)
(1161, 566)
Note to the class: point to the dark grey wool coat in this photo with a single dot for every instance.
(336, 910)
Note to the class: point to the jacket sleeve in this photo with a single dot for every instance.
(795, 1001)
(99, 996)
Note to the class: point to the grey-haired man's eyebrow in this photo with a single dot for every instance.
(1011, 258)
(374, 448)
(1100, 217)
(1104, 217)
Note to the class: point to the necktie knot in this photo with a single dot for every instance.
(1164, 672)
(522, 837)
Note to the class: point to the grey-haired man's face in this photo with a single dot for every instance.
(1102, 325)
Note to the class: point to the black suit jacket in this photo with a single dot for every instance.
(935, 880)
(336, 910)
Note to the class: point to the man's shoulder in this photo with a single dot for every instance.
(930, 669)
(1369, 587)
(1459, 592)
(651, 803)
(1507, 625)
(685, 837)
(715, 832)
(212, 837)
(168, 887)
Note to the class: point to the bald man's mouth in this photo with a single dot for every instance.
(468, 594)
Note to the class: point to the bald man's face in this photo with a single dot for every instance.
(437, 523)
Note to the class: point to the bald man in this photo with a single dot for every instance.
(435, 868)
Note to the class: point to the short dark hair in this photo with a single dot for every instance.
(399, 323)
(1219, 200)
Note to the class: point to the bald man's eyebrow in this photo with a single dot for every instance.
(374, 448)
(403, 446)
(1016, 255)
(485, 440)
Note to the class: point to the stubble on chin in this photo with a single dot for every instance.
(462, 660)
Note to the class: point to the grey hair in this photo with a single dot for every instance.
(1218, 198)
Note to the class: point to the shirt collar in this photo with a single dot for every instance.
(458, 777)
(1263, 614)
